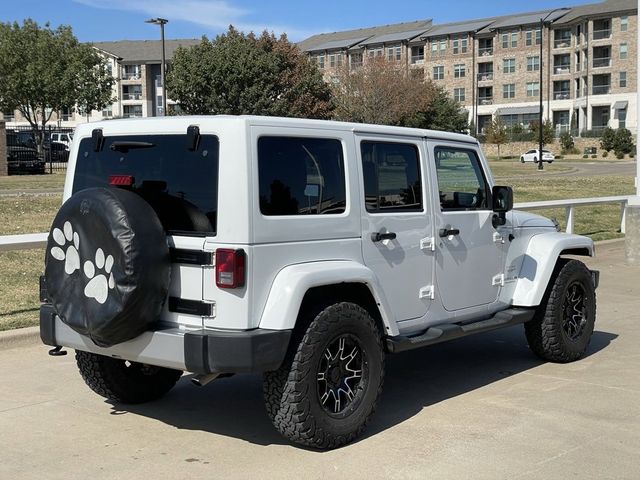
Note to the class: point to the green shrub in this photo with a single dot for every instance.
(604, 154)
(623, 141)
(619, 155)
(566, 142)
(585, 156)
(607, 142)
(594, 156)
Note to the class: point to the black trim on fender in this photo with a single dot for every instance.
(191, 257)
(595, 276)
(48, 325)
(190, 307)
(259, 350)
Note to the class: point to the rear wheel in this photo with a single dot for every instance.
(535, 159)
(564, 322)
(521, 159)
(325, 393)
(123, 381)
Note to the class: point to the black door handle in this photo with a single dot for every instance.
(445, 232)
(379, 236)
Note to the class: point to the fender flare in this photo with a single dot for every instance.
(539, 261)
(292, 283)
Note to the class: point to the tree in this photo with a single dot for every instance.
(608, 139)
(567, 143)
(44, 71)
(379, 92)
(548, 135)
(623, 142)
(244, 74)
(442, 113)
(497, 133)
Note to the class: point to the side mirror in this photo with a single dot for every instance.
(502, 199)
(501, 203)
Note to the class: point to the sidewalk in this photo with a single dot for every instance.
(480, 407)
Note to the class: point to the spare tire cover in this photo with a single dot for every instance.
(107, 265)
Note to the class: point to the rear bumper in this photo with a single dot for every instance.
(197, 351)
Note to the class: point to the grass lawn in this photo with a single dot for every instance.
(29, 182)
(19, 271)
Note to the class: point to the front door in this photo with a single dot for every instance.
(396, 220)
(469, 254)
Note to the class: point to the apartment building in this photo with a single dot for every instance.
(137, 90)
(492, 65)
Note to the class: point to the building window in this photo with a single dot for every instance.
(509, 90)
(622, 118)
(9, 116)
(417, 54)
(131, 72)
(107, 112)
(66, 114)
(129, 111)
(533, 64)
(434, 48)
(443, 46)
(623, 51)
(530, 36)
(438, 72)
(355, 60)
(514, 39)
(623, 79)
(459, 70)
(320, 61)
(375, 52)
(394, 53)
(509, 65)
(132, 92)
(533, 89)
(505, 40)
(335, 60)
(459, 45)
(458, 94)
(624, 23)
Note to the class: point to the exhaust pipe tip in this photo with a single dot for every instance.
(204, 379)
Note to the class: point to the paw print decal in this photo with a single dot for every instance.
(67, 250)
(98, 286)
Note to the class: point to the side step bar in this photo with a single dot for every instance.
(451, 331)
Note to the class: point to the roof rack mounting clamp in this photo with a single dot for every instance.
(97, 139)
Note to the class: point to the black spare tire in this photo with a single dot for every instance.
(107, 265)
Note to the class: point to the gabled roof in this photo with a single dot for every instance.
(457, 27)
(394, 37)
(338, 44)
(531, 18)
(319, 42)
(594, 9)
(143, 51)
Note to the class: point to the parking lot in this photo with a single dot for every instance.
(481, 407)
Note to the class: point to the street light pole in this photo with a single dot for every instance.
(162, 22)
(542, 20)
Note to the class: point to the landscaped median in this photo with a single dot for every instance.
(19, 270)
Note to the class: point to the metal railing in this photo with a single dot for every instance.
(417, 59)
(601, 89)
(485, 51)
(561, 95)
(39, 240)
(562, 43)
(571, 204)
(602, 34)
(601, 62)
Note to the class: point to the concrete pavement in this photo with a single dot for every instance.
(481, 407)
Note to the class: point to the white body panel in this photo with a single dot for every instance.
(534, 156)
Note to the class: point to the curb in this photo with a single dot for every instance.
(22, 337)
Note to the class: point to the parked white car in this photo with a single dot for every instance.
(303, 249)
(533, 156)
(64, 138)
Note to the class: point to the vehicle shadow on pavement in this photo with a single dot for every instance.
(414, 380)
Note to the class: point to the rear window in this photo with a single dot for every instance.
(301, 176)
(180, 184)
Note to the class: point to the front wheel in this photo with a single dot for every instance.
(325, 393)
(563, 324)
(123, 381)
(535, 160)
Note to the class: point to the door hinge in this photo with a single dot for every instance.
(498, 280)
(428, 243)
(498, 237)
(427, 292)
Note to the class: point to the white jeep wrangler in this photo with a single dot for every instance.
(303, 249)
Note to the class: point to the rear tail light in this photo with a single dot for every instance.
(121, 180)
(230, 268)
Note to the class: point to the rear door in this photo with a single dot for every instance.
(397, 221)
(469, 255)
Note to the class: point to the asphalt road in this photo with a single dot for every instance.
(479, 408)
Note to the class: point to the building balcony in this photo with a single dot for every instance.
(601, 62)
(578, 67)
(485, 100)
(601, 89)
(602, 34)
(560, 69)
(485, 51)
(561, 95)
(132, 96)
(417, 59)
(131, 76)
(485, 77)
(562, 43)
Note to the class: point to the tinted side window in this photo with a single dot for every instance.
(391, 174)
(460, 180)
(301, 176)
